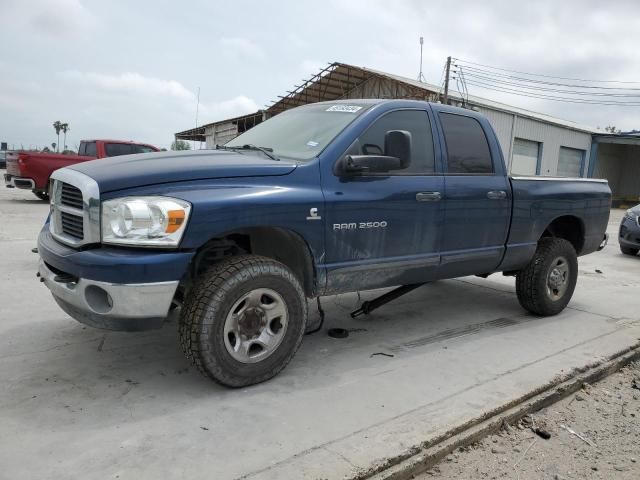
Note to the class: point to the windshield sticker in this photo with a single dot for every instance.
(344, 108)
(311, 143)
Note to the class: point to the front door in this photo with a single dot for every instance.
(384, 229)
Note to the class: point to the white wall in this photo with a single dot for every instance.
(552, 137)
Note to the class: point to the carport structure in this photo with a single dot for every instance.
(616, 157)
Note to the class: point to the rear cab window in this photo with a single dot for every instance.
(87, 149)
(117, 149)
(468, 151)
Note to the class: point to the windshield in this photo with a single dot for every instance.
(301, 133)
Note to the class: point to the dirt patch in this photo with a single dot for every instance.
(594, 433)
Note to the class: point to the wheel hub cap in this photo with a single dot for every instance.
(558, 278)
(255, 326)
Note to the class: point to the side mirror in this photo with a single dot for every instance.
(397, 143)
(370, 164)
(397, 156)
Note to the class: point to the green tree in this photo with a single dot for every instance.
(65, 128)
(180, 145)
(57, 126)
(612, 129)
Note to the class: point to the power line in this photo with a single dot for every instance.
(546, 76)
(549, 97)
(525, 86)
(480, 71)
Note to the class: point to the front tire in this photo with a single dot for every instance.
(546, 285)
(629, 251)
(44, 196)
(244, 320)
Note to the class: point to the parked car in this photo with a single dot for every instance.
(322, 199)
(32, 170)
(629, 236)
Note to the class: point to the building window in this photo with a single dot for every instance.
(570, 162)
(526, 156)
(467, 148)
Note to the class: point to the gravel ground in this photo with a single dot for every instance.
(605, 443)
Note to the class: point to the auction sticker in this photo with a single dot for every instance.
(344, 108)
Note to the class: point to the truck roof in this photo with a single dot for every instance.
(109, 140)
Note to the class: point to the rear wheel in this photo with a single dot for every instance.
(629, 251)
(44, 196)
(545, 286)
(244, 320)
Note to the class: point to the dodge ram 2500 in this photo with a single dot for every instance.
(322, 199)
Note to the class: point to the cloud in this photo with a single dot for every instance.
(131, 82)
(57, 18)
(240, 46)
(240, 105)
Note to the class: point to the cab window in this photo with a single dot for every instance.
(416, 122)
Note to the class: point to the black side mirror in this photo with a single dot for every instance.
(397, 156)
(370, 164)
(397, 143)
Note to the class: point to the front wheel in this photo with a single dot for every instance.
(44, 196)
(629, 251)
(244, 320)
(545, 286)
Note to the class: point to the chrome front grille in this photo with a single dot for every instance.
(75, 208)
(72, 225)
(71, 196)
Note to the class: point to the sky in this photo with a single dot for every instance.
(131, 70)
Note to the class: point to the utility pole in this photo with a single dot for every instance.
(446, 82)
(420, 75)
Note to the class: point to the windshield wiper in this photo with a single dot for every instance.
(266, 150)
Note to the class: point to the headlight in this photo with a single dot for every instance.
(144, 221)
(630, 214)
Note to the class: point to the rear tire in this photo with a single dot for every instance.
(44, 196)
(546, 285)
(629, 251)
(244, 320)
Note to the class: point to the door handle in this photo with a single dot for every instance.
(497, 194)
(428, 196)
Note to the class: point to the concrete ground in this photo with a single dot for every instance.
(83, 403)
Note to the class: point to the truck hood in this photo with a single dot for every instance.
(129, 171)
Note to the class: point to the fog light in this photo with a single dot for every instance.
(98, 299)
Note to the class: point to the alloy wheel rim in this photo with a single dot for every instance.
(255, 325)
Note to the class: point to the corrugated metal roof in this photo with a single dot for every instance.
(336, 80)
(480, 101)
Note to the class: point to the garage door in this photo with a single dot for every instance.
(525, 157)
(570, 162)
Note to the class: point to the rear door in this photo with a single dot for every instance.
(383, 229)
(477, 199)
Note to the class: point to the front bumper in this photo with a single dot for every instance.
(629, 234)
(111, 288)
(11, 181)
(112, 306)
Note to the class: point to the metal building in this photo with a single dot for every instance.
(533, 143)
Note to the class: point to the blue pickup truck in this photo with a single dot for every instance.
(322, 199)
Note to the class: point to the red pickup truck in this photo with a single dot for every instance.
(31, 171)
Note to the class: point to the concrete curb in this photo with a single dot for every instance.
(422, 457)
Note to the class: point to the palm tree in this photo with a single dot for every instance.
(57, 126)
(65, 128)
